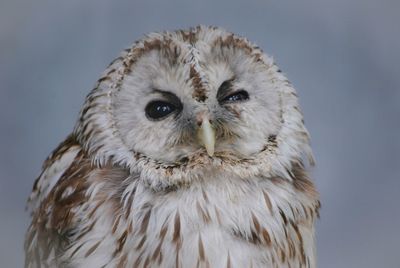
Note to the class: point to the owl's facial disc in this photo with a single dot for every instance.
(210, 100)
(167, 104)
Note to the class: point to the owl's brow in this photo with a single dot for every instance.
(225, 88)
(169, 96)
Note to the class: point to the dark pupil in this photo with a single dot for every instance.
(159, 109)
(238, 96)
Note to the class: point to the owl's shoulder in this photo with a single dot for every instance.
(61, 201)
(52, 170)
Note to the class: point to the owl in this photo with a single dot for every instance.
(190, 151)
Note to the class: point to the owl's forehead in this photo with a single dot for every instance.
(195, 61)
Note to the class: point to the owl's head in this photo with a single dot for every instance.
(180, 104)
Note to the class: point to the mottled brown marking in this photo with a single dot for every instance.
(223, 132)
(202, 254)
(177, 263)
(30, 235)
(111, 71)
(266, 236)
(268, 201)
(90, 215)
(317, 208)
(190, 36)
(75, 250)
(160, 258)
(199, 92)
(292, 249)
(141, 243)
(205, 215)
(62, 148)
(292, 210)
(256, 223)
(276, 180)
(301, 243)
(177, 228)
(120, 58)
(138, 260)
(122, 261)
(255, 238)
(311, 212)
(157, 251)
(121, 242)
(69, 143)
(130, 227)
(166, 46)
(286, 232)
(234, 42)
(104, 78)
(305, 210)
(204, 195)
(86, 230)
(145, 222)
(228, 261)
(146, 262)
(283, 216)
(92, 249)
(234, 110)
(217, 213)
(282, 255)
(128, 211)
(163, 232)
(273, 260)
(168, 171)
(115, 225)
(62, 214)
(301, 181)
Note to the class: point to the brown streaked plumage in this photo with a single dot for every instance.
(191, 151)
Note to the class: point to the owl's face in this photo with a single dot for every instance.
(177, 104)
(180, 99)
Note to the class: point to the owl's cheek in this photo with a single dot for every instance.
(247, 140)
(235, 111)
(247, 147)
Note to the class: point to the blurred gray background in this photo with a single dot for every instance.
(342, 56)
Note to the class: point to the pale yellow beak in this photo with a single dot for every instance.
(206, 135)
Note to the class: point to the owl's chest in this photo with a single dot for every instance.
(238, 225)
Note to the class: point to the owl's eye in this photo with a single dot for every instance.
(225, 94)
(237, 96)
(157, 110)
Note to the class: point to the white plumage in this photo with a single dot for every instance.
(189, 152)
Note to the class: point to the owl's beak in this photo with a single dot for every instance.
(206, 135)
